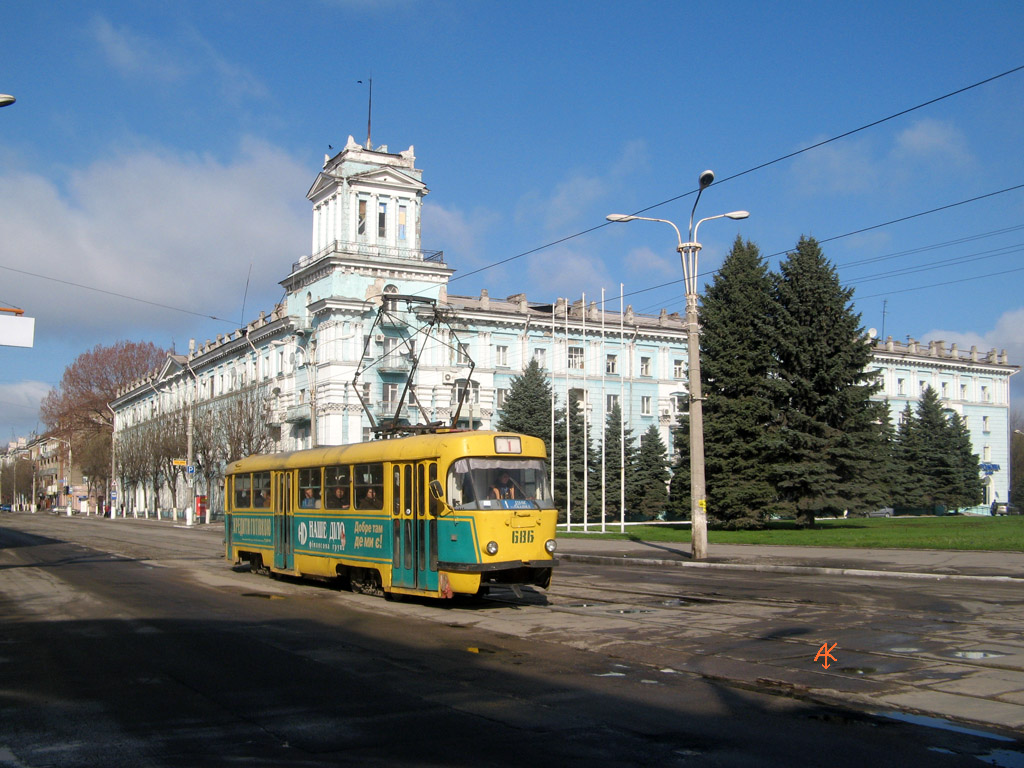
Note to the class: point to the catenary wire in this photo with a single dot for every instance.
(758, 168)
(604, 224)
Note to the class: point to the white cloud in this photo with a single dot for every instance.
(135, 55)
(846, 167)
(174, 59)
(1007, 334)
(567, 272)
(171, 230)
(932, 140)
(572, 199)
(19, 406)
(457, 232)
(646, 265)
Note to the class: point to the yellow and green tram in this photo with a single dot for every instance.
(434, 514)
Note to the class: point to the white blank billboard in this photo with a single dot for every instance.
(16, 330)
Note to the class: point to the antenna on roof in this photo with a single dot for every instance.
(369, 112)
(245, 295)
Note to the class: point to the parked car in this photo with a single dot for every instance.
(1002, 508)
(5, 507)
(883, 512)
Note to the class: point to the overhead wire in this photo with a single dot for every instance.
(874, 227)
(567, 238)
(761, 166)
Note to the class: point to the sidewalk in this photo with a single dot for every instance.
(931, 564)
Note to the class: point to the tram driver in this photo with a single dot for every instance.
(503, 488)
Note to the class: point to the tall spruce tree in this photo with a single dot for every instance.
(937, 465)
(908, 484)
(581, 465)
(970, 490)
(652, 476)
(737, 365)
(527, 407)
(619, 454)
(827, 429)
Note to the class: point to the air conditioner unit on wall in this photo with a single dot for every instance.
(449, 378)
(379, 338)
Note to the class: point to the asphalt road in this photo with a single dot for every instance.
(128, 643)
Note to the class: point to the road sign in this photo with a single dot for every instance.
(191, 469)
(179, 462)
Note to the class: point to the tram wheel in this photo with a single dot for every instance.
(256, 564)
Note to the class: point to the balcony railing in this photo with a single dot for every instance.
(369, 251)
(295, 414)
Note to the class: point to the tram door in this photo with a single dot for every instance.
(283, 556)
(414, 556)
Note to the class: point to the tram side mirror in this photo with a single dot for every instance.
(437, 490)
(437, 494)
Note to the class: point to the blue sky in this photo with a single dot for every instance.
(162, 150)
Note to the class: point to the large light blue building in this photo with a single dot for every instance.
(366, 257)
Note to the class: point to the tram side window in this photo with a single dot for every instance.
(369, 486)
(261, 490)
(309, 488)
(336, 485)
(243, 491)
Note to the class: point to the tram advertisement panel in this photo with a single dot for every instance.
(255, 530)
(362, 537)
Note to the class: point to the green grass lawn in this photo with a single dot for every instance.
(955, 532)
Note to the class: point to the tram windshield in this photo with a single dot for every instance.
(504, 483)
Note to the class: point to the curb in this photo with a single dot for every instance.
(794, 569)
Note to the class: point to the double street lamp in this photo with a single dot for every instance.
(688, 253)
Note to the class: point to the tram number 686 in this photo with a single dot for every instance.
(522, 537)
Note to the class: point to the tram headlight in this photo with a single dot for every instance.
(550, 546)
(492, 547)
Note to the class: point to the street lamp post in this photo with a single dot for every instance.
(688, 253)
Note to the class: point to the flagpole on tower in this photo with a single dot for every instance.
(369, 112)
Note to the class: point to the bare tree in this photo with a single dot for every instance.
(244, 422)
(208, 445)
(77, 410)
(131, 461)
(171, 446)
(152, 466)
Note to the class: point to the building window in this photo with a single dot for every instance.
(645, 366)
(986, 396)
(963, 391)
(389, 395)
(541, 356)
(681, 403)
(645, 405)
(501, 355)
(611, 364)
(463, 356)
(984, 424)
(610, 402)
(576, 358)
(922, 386)
(499, 398)
(361, 223)
(678, 368)
(901, 386)
(472, 397)
(402, 213)
(986, 453)
(382, 220)
(945, 390)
